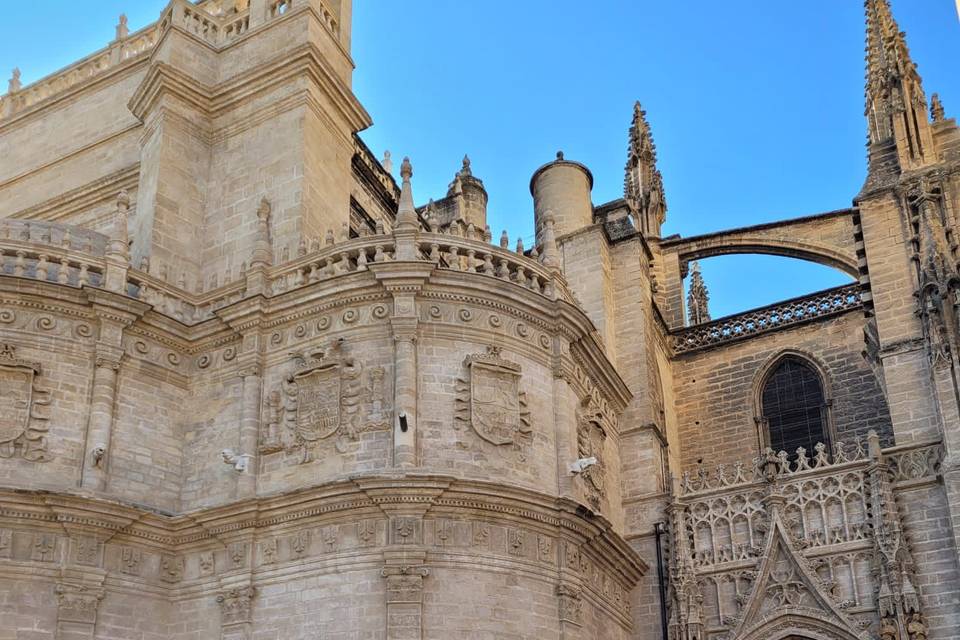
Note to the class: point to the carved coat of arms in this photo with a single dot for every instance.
(590, 440)
(489, 399)
(23, 408)
(326, 395)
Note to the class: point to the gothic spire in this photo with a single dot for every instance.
(698, 299)
(896, 106)
(642, 183)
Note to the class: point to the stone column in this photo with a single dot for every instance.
(249, 429)
(405, 386)
(100, 426)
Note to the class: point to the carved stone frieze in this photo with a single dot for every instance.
(570, 604)
(327, 396)
(23, 408)
(490, 401)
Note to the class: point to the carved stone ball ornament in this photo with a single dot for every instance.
(327, 395)
(23, 409)
(490, 401)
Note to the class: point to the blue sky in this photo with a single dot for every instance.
(756, 106)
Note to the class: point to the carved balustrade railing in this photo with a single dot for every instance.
(782, 314)
(77, 257)
(49, 263)
(471, 255)
(113, 55)
(216, 30)
(330, 260)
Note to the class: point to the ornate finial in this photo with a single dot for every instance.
(122, 30)
(14, 81)
(504, 240)
(262, 247)
(698, 299)
(936, 108)
(387, 162)
(551, 253)
(465, 171)
(406, 213)
(559, 155)
(119, 238)
(263, 210)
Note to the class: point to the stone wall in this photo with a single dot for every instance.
(716, 389)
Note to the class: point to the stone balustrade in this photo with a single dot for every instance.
(110, 57)
(217, 31)
(49, 263)
(776, 316)
(331, 260)
(467, 254)
(76, 257)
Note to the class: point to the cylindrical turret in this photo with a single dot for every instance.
(563, 187)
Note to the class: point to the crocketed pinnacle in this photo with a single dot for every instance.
(892, 81)
(642, 182)
(698, 299)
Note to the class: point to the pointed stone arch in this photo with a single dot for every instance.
(762, 376)
(787, 598)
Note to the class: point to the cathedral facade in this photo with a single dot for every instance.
(249, 389)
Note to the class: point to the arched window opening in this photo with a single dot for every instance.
(794, 407)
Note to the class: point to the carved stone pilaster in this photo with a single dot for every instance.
(404, 600)
(77, 606)
(236, 607)
(570, 606)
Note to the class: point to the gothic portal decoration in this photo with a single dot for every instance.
(326, 396)
(23, 408)
(591, 435)
(490, 401)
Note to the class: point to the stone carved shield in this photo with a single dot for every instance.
(16, 391)
(318, 403)
(494, 402)
(23, 407)
(491, 401)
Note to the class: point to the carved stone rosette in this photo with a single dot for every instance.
(23, 409)
(327, 395)
(490, 401)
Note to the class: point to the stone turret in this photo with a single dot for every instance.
(563, 187)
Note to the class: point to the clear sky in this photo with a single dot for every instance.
(756, 105)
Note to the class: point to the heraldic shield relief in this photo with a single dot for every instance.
(22, 409)
(326, 395)
(490, 400)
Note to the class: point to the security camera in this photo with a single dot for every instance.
(238, 460)
(583, 464)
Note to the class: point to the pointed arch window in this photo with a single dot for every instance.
(794, 407)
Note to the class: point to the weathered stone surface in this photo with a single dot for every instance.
(248, 389)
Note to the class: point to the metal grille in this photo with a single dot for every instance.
(794, 408)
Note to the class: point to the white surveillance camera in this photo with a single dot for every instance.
(582, 464)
